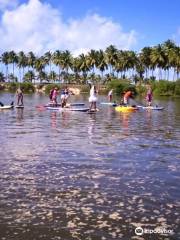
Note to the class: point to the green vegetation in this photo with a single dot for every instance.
(98, 66)
(166, 88)
(177, 88)
(51, 86)
(26, 87)
(121, 86)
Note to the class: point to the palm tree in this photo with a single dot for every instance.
(39, 65)
(2, 77)
(5, 60)
(29, 76)
(76, 68)
(92, 60)
(48, 59)
(22, 63)
(83, 66)
(140, 69)
(12, 78)
(101, 62)
(13, 59)
(177, 61)
(30, 60)
(56, 58)
(158, 58)
(52, 76)
(66, 61)
(144, 57)
(111, 57)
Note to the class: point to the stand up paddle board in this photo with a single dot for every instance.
(113, 104)
(151, 108)
(68, 109)
(19, 106)
(68, 104)
(92, 111)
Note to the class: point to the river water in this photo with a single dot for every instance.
(67, 175)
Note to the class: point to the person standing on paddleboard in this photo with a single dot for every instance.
(51, 94)
(110, 95)
(54, 96)
(19, 95)
(149, 96)
(64, 96)
(93, 98)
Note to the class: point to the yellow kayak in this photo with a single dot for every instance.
(125, 109)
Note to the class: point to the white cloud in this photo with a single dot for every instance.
(38, 27)
(8, 4)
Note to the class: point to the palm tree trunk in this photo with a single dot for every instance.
(13, 71)
(59, 74)
(7, 73)
(168, 74)
(20, 74)
(174, 74)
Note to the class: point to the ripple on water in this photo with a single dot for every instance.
(79, 176)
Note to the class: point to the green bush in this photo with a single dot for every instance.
(121, 86)
(164, 88)
(25, 87)
(2, 87)
(85, 88)
(141, 90)
(51, 86)
(12, 87)
(177, 88)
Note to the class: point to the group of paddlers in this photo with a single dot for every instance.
(65, 93)
(127, 95)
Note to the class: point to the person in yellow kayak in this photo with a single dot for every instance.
(127, 95)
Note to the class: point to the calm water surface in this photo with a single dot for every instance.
(67, 175)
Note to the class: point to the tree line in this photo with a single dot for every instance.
(98, 65)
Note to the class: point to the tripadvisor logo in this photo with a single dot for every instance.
(139, 231)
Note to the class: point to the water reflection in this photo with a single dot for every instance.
(19, 115)
(97, 176)
(91, 127)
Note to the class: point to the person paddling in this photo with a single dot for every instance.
(19, 95)
(149, 96)
(127, 95)
(64, 96)
(110, 95)
(54, 96)
(51, 94)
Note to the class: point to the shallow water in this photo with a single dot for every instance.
(69, 175)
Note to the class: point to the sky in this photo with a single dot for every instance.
(81, 25)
